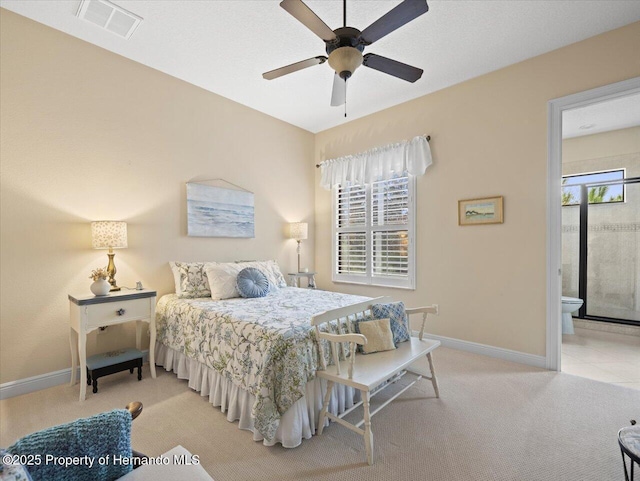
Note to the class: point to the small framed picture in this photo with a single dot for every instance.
(480, 211)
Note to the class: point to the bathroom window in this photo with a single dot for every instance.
(599, 191)
(373, 232)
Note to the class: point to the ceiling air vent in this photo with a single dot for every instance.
(109, 16)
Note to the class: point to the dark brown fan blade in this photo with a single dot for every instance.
(394, 19)
(339, 92)
(392, 67)
(294, 67)
(308, 18)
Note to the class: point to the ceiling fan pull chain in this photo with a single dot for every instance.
(345, 96)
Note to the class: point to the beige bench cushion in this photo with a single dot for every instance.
(378, 334)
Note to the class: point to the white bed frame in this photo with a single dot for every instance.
(366, 372)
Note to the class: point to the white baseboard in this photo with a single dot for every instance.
(491, 351)
(42, 381)
(35, 383)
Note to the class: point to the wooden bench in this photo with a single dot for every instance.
(112, 362)
(366, 372)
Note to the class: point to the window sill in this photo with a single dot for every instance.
(366, 284)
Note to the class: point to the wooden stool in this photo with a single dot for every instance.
(112, 362)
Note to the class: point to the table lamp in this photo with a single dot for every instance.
(109, 234)
(298, 231)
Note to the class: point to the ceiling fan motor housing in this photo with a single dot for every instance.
(345, 53)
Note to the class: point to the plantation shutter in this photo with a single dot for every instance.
(352, 253)
(373, 227)
(351, 248)
(390, 219)
(352, 206)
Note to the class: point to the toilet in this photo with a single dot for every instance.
(569, 305)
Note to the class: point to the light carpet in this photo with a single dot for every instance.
(495, 420)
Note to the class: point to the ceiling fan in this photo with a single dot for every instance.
(345, 45)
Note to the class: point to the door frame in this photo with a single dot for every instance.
(555, 108)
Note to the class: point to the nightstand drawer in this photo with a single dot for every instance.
(116, 312)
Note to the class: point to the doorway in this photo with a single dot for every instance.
(556, 109)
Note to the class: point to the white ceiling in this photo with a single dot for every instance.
(620, 113)
(225, 46)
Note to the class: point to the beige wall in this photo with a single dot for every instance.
(597, 146)
(89, 135)
(489, 137)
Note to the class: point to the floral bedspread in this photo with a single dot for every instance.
(264, 345)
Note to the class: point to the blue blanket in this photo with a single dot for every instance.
(91, 449)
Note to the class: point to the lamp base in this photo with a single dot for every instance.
(111, 270)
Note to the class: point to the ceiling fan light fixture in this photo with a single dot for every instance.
(345, 60)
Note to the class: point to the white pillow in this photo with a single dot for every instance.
(222, 277)
(222, 280)
(271, 270)
(275, 268)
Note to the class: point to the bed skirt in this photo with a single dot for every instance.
(297, 423)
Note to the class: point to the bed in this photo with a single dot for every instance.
(254, 358)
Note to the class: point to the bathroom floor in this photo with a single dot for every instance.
(602, 356)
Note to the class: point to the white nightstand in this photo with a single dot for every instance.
(89, 312)
(294, 279)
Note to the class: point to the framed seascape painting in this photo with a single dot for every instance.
(219, 212)
(480, 211)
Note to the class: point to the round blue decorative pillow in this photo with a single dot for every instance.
(252, 282)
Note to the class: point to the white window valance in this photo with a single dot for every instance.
(382, 163)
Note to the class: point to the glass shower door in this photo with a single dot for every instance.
(613, 254)
(570, 250)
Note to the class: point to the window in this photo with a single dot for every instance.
(373, 228)
(598, 194)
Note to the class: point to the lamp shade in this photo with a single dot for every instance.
(345, 59)
(298, 230)
(108, 234)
